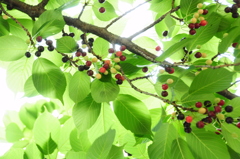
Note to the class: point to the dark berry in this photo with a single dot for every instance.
(111, 50)
(200, 124)
(49, 42)
(90, 72)
(82, 36)
(81, 68)
(122, 58)
(198, 54)
(228, 108)
(78, 53)
(207, 103)
(197, 25)
(65, 59)
(90, 44)
(164, 93)
(205, 11)
(144, 69)
(28, 54)
(217, 109)
(192, 32)
(118, 76)
(40, 48)
(167, 69)
(106, 66)
(211, 114)
(0, 12)
(229, 120)
(88, 63)
(84, 54)
(207, 120)
(234, 8)
(102, 10)
(180, 116)
(235, 15)
(71, 34)
(38, 53)
(186, 124)
(9, 6)
(234, 44)
(51, 48)
(86, 67)
(65, 34)
(122, 47)
(188, 129)
(119, 81)
(101, 1)
(165, 33)
(91, 40)
(228, 9)
(191, 25)
(39, 39)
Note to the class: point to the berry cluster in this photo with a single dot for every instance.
(101, 9)
(197, 21)
(233, 9)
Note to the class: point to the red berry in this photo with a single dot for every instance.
(88, 63)
(158, 48)
(144, 69)
(90, 72)
(234, 45)
(164, 93)
(106, 66)
(102, 70)
(84, 54)
(192, 32)
(123, 47)
(191, 25)
(217, 109)
(78, 53)
(102, 10)
(171, 71)
(203, 23)
(238, 125)
(222, 102)
(118, 76)
(164, 86)
(205, 11)
(198, 104)
(188, 119)
(198, 54)
(197, 25)
(39, 39)
(122, 58)
(119, 53)
(111, 50)
(200, 124)
(101, 1)
(211, 114)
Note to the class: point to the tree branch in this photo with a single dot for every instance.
(154, 23)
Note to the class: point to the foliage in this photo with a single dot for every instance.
(166, 94)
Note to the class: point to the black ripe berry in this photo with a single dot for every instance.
(91, 40)
(198, 54)
(188, 129)
(164, 93)
(71, 34)
(165, 33)
(144, 69)
(234, 8)
(180, 116)
(38, 53)
(81, 67)
(90, 72)
(49, 42)
(40, 48)
(65, 34)
(101, 1)
(86, 67)
(28, 54)
(235, 15)
(228, 9)
(228, 108)
(119, 81)
(207, 103)
(192, 32)
(229, 120)
(39, 39)
(186, 124)
(51, 48)
(9, 6)
(65, 59)
(0, 12)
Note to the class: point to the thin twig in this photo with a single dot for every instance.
(179, 19)
(215, 56)
(154, 23)
(25, 29)
(137, 78)
(80, 14)
(125, 14)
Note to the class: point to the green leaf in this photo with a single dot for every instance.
(236, 107)
(228, 40)
(210, 81)
(188, 6)
(148, 43)
(101, 47)
(233, 153)
(67, 4)
(17, 30)
(29, 88)
(4, 27)
(13, 132)
(109, 11)
(66, 44)
(16, 153)
(18, 73)
(231, 134)
(101, 146)
(115, 153)
(79, 141)
(79, 86)
(161, 146)
(46, 132)
(191, 99)
(32, 151)
(74, 155)
(162, 5)
(48, 79)
(133, 114)
(12, 48)
(104, 91)
(85, 113)
(49, 23)
(180, 149)
(28, 113)
(210, 145)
